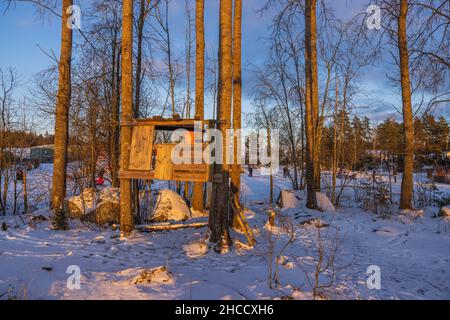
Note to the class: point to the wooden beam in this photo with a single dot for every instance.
(168, 124)
(145, 175)
(176, 176)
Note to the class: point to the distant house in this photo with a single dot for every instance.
(43, 154)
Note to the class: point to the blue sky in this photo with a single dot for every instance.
(23, 33)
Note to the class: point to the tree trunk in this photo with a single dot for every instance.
(197, 196)
(315, 96)
(25, 193)
(62, 123)
(140, 35)
(237, 95)
(335, 161)
(219, 214)
(408, 165)
(114, 129)
(188, 61)
(269, 147)
(126, 216)
(310, 103)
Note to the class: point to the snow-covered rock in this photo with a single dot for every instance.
(99, 207)
(289, 199)
(196, 249)
(83, 204)
(169, 206)
(324, 203)
(444, 211)
(159, 275)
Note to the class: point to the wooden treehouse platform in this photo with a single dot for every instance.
(149, 160)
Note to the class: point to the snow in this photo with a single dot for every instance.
(412, 251)
(290, 199)
(324, 203)
(170, 206)
(196, 249)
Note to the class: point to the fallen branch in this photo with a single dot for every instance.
(171, 226)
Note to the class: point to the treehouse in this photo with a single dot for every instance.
(149, 160)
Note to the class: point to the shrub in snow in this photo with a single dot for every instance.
(169, 206)
(316, 223)
(407, 216)
(284, 261)
(374, 195)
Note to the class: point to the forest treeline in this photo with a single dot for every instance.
(361, 141)
(26, 139)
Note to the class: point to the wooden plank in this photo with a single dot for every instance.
(141, 148)
(169, 124)
(243, 223)
(164, 164)
(144, 175)
(175, 175)
(194, 177)
(191, 167)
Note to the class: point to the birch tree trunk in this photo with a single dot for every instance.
(126, 216)
(62, 123)
(408, 165)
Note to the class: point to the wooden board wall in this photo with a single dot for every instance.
(164, 164)
(141, 148)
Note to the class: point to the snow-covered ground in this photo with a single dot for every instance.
(413, 256)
